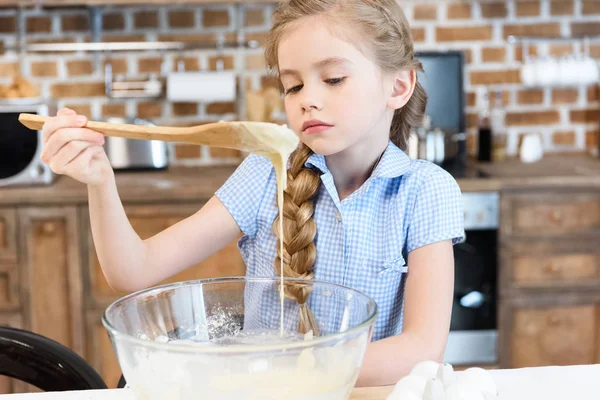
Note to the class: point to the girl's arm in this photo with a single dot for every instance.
(427, 310)
(130, 263)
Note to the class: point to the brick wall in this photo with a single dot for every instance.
(568, 118)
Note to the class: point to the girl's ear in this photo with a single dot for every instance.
(404, 84)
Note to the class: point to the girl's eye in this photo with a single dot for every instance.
(335, 81)
(293, 89)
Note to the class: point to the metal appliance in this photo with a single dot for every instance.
(442, 80)
(473, 329)
(130, 154)
(20, 148)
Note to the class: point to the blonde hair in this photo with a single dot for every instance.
(383, 34)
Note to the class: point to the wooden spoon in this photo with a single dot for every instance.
(257, 137)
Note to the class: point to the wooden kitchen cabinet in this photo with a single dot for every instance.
(148, 221)
(549, 278)
(554, 329)
(541, 263)
(549, 213)
(8, 235)
(50, 274)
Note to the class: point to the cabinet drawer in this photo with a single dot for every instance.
(550, 262)
(9, 288)
(551, 213)
(148, 221)
(8, 235)
(554, 335)
(563, 269)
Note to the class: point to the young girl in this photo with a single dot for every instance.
(358, 211)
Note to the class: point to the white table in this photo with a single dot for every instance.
(545, 383)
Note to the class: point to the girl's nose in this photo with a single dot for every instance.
(310, 101)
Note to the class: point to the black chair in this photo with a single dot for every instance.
(44, 363)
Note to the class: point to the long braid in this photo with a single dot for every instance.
(300, 229)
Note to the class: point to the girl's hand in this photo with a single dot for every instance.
(69, 149)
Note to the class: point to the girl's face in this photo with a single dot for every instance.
(328, 82)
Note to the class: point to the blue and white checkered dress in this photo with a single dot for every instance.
(363, 241)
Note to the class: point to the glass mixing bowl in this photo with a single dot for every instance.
(221, 339)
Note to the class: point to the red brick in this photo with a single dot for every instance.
(585, 28)
(145, 19)
(562, 7)
(534, 96)
(182, 19)
(527, 8)
(585, 116)
(38, 25)
(187, 151)
(217, 152)
(113, 21)
(113, 110)
(493, 54)
(418, 34)
(591, 138)
(183, 109)
(81, 109)
(254, 18)
(471, 99)
(44, 69)
(459, 11)
(9, 69)
(532, 118)
(425, 12)
(79, 67)
(564, 96)
(74, 23)
(80, 89)
(150, 65)
(495, 77)
(494, 10)
(220, 108)
(8, 25)
(215, 18)
(593, 94)
(564, 138)
(148, 110)
(589, 7)
(546, 29)
(454, 34)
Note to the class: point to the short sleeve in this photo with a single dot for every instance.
(242, 193)
(438, 212)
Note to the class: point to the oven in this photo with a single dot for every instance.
(473, 330)
(20, 147)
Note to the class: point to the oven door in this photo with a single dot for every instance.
(20, 148)
(473, 330)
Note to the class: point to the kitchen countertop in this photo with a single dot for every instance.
(548, 383)
(189, 184)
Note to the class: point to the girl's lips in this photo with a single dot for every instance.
(316, 129)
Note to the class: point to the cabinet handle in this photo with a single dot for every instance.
(552, 267)
(554, 320)
(49, 228)
(556, 216)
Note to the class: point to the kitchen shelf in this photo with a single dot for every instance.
(131, 46)
(532, 39)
